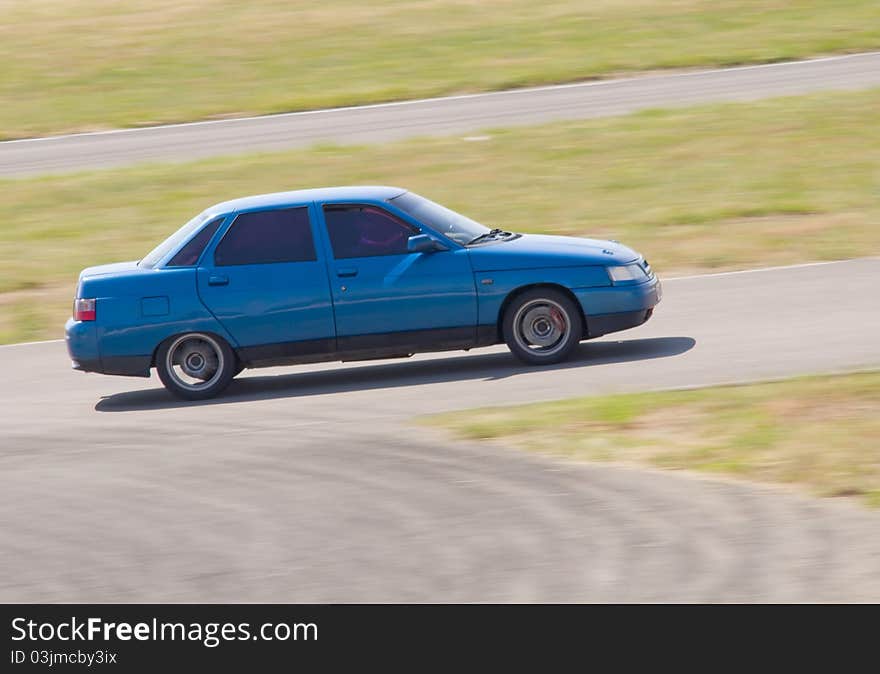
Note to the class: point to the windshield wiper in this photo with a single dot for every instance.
(491, 234)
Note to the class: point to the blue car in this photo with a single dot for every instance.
(346, 273)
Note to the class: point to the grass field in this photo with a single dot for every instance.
(818, 432)
(95, 64)
(719, 187)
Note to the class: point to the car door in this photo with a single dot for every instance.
(387, 299)
(265, 283)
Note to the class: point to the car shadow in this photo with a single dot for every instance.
(491, 366)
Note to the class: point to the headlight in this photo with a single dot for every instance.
(628, 272)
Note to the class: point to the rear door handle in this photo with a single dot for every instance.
(346, 272)
(218, 280)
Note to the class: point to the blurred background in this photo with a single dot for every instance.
(773, 182)
(704, 188)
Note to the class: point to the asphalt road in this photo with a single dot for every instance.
(441, 116)
(312, 483)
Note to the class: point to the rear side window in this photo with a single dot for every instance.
(366, 231)
(283, 235)
(192, 251)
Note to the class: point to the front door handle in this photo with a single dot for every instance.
(218, 280)
(347, 272)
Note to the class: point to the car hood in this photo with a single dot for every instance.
(537, 250)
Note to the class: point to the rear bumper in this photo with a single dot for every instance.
(82, 347)
(127, 366)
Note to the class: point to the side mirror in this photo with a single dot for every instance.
(422, 243)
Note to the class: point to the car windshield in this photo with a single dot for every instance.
(173, 241)
(449, 223)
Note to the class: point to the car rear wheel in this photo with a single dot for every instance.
(542, 326)
(195, 366)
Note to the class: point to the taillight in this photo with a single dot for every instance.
(84, 310)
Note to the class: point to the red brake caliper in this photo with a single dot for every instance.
(557, 318)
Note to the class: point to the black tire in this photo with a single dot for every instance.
(542, 326)
(195, 365)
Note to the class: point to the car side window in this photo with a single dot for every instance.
(262, 237)
(189, 255)
(366, 231)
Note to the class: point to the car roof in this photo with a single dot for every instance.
(352, 193)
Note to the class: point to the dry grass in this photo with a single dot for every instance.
(96, 63)
(818, 432)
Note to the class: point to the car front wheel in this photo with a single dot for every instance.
(195, 366)
(542, 326)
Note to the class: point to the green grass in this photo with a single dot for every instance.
(718, 187)
(819, 433)
(102, 63)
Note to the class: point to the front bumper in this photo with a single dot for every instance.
(602, 325)
(619, 307)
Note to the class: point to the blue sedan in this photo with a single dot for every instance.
(346, 273)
